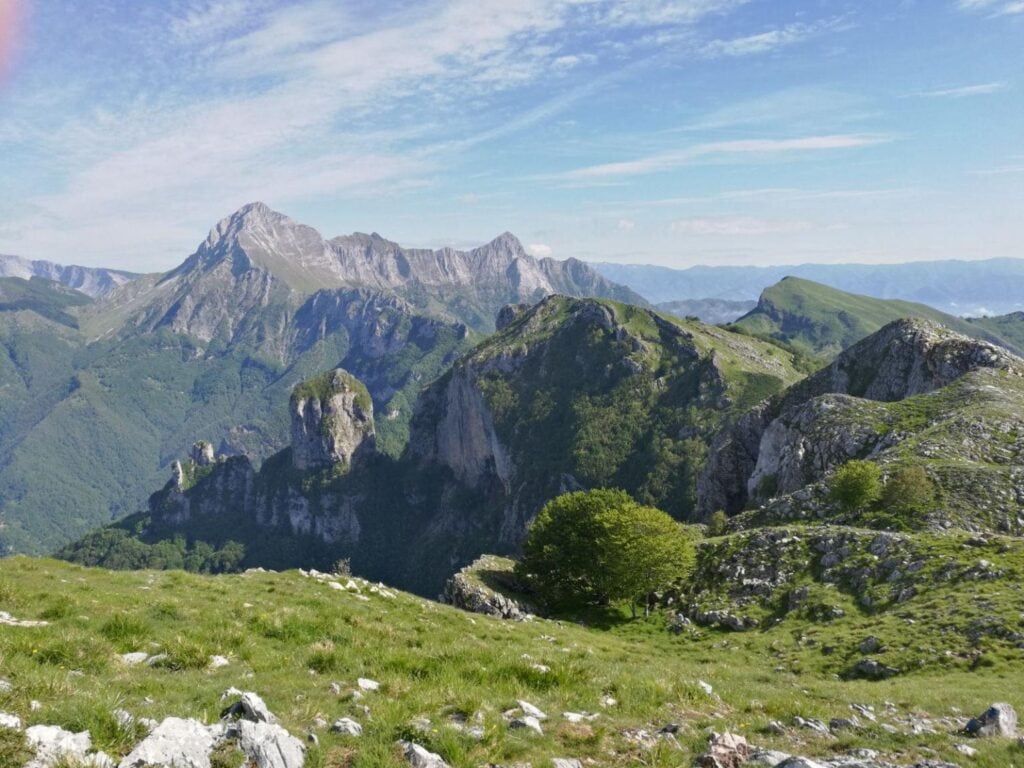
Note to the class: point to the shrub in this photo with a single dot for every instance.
(602, 547)
(717, 523)
(909, 490)
(856, 485)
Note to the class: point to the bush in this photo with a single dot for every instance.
(856, 485)
(909, 490)
(717, 523)
(601, 547)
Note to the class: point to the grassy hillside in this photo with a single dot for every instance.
(1009, 327)
(44, 297)
(289, 638)
(823, 320)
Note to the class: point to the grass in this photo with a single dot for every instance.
(824, 320)
(289, 638)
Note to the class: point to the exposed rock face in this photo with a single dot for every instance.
(798, 436)
(509, 314)
(257, 267)
(332, 421)
(500, 271)
(905, 358)
(175, 743)
(465, 439)
(997, 720)
(224, 483)
(810, 439)
(467, 590)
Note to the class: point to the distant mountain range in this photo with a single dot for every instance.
(965, 288)
(824, 321)
(102, 391)
(92, 281)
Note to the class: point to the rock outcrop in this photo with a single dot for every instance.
(478, 588)
(798, 436)
(257, 267)
(332, 421)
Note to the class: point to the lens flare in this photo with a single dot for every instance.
(10, 23)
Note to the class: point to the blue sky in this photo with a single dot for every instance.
(672, 132)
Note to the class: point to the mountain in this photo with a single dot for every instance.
(1009, 328)
(114, 390)
(989, 286)
(471, 285)
(257, 266)
(92, 281)
(712, 311)
(570, 393)
(911, 394)
(43, 297)
(824, 321)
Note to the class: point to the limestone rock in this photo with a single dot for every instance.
(347, 727)
(332, 421)
(998, 720)
(252, 708)
(420, 757)
(798, 436)
(467, 590)
(725, 750)
(175, 743)
(509, 314)
(270, 746)
(53, 744)
(529, 722)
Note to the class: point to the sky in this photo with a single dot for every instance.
(671, 132)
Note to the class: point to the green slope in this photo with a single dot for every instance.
(1009, 327)
(290, 639)
(88, 430)
(823, 320)
(43, 297)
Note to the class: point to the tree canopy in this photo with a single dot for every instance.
(856, 485)
(601, 547)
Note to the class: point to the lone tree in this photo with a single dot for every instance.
(909, 490)
(856, 485)
(601, 547)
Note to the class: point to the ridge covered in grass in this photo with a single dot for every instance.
(289, 637)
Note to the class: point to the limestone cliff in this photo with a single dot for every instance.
(850, 409)
(332, 421)
(577, 394)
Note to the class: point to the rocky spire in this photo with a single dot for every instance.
(332, 421)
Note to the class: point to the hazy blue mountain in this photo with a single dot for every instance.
(992, 286)
(92, 281)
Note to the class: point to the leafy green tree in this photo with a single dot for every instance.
(856, 485)
(909, 490)
(602, 547)
(717, 523)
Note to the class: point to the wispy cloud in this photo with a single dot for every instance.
(540, 250)
(964, 90)
(1001, 171)
(665, 161)
(771, 40)
(738, 226)
(996, 7)
(295, 99)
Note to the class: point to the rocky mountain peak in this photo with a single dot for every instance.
(254, 219)
(506, 247)
(907, 357)
(332, 421)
